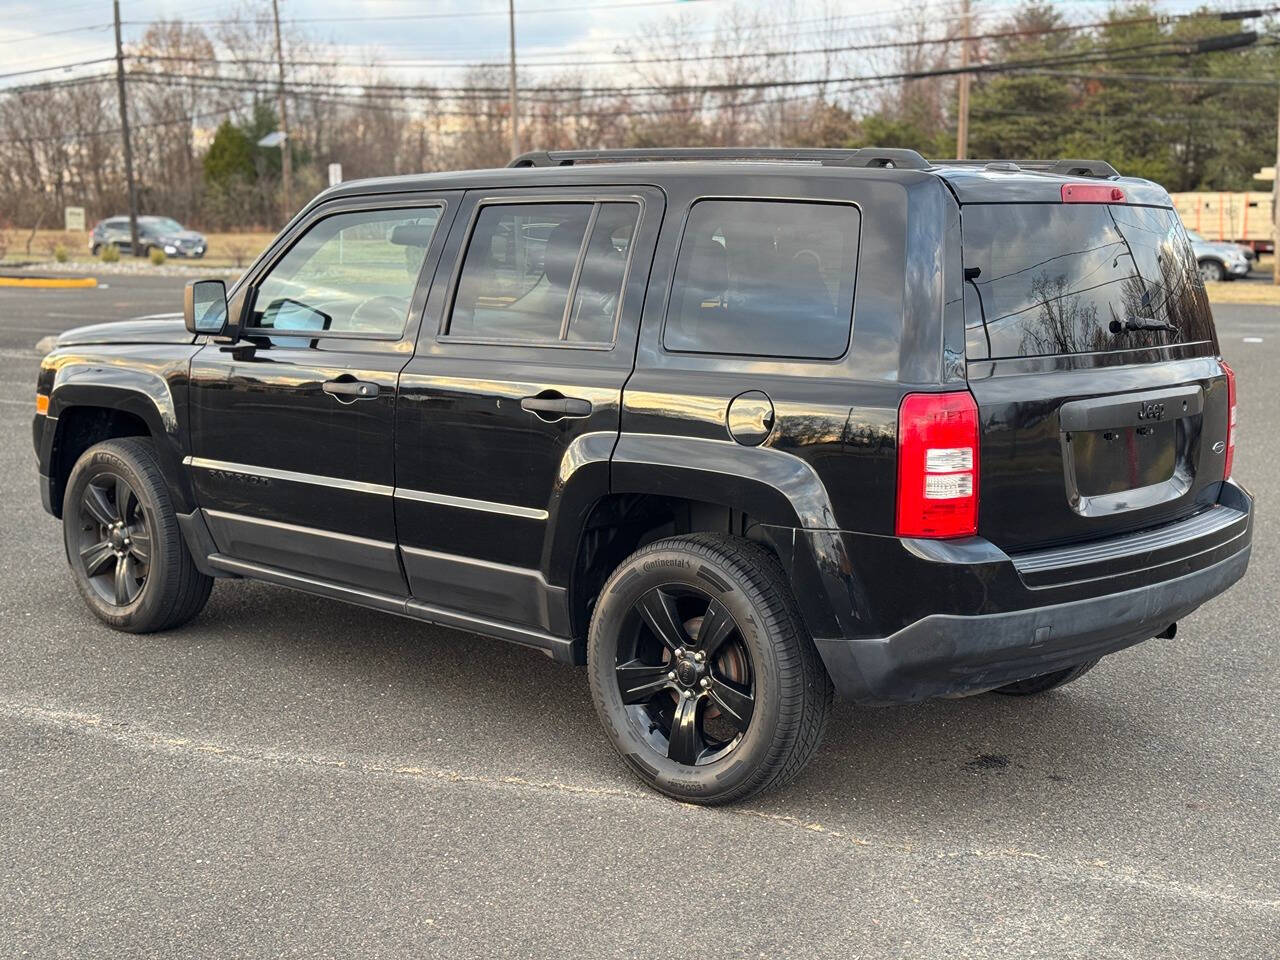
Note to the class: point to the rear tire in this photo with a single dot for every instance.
(1046, 681)
(121, 534)
(701, 670)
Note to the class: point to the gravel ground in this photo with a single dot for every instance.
(130, 267)
(288, 776)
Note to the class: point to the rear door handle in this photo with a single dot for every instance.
(349, 390)
(556, 407)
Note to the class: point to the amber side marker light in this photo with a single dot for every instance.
(42, 403)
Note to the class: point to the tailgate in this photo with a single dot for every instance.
(1092, 358)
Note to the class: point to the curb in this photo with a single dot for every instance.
(55, 282)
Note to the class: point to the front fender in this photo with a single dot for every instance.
(131, 384)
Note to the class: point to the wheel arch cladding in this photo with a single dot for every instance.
(92, 402)
(771, 485)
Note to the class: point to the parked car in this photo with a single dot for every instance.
(752, 433)
(154, 233)
(1220, 261)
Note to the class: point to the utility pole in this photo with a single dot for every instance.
(962, 119)
(286, 149)
(515, 129)
(1275, 210)
(134, 246)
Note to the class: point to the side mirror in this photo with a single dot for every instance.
(204, 307)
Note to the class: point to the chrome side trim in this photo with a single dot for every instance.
(531, 572)
(357, 486)
(466, 503)
(309, 531)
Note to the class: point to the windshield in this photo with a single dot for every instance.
(1046, 279)
(161, 225)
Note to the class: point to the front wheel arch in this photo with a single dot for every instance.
(78, 429)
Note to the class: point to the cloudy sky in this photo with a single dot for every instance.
(37, 35)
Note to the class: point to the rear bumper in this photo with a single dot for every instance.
(944, 655)
(903, 620)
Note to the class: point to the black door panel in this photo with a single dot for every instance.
(293, 455)
(501, 447)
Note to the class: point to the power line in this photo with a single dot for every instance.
(1162, 77)
(58, 33)
(61, 66)
(116, 131)
(766, 54)
(1141, 51)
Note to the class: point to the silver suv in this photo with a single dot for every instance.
(1220, 260)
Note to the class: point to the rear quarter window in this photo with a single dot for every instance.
(768, 278)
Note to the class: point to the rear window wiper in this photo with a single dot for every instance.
(1130, 324)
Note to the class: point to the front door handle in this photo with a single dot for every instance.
(553, 406)
(347, 391)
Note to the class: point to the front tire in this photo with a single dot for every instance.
(121, 534)
(701, 670)
(1211, 271)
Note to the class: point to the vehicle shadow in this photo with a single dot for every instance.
(523, 713)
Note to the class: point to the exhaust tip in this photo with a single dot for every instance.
(1169, 632)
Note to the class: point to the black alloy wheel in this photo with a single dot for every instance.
(701, 670)
(685, 675)
(115, 540)
(123, 542)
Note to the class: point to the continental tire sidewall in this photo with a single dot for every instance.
(648, 569)
(145, 612)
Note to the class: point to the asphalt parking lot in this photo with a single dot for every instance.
(289, 776)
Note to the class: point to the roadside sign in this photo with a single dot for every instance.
(74, 218)
(335, 174)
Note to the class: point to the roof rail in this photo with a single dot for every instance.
(1063, 168)
(861, 157)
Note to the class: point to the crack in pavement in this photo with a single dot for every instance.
(139, 737)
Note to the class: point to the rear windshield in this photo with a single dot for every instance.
(1045, 279)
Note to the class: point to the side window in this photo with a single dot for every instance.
(544, 272)
(350, 273)
(768, 278)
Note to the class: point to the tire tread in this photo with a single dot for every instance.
(183, 589)
(806, 694)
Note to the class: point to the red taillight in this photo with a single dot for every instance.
(1091, 193)
(938, 465)
(1231, 420)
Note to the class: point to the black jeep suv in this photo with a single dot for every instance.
(732, 428)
